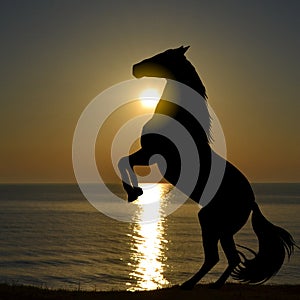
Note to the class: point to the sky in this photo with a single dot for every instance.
(56, 56)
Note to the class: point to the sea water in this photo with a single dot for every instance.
(51, 236)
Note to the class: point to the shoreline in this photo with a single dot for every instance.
(229, 291)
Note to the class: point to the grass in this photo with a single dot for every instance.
(203, 292)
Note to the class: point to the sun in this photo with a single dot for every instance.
(149, 97)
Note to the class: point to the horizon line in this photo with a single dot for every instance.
(73, 182)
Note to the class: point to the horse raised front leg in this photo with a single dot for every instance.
(129, 178)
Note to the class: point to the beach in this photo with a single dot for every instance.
(203, 292)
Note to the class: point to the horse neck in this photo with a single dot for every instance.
(187, 74)
(188, 108)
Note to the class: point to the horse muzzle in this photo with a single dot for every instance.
(136, 71)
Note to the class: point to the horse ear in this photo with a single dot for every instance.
(186, 48)
(183, 49)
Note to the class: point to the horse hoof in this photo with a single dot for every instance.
(134, 194)
(138, 191)
(132, 197)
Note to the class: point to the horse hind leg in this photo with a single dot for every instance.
(211, 258)
(210, 239)
(228, 245)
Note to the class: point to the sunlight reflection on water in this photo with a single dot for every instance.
(148, 242)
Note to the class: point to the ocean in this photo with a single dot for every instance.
(51, 236)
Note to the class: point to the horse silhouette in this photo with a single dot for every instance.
(233, 202)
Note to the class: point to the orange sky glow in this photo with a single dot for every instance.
(57, 56)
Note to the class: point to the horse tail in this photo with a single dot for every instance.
(274, 244)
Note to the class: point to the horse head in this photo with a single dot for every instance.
(163, 65)
(171, 64)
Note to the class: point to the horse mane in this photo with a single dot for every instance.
(189, 76)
